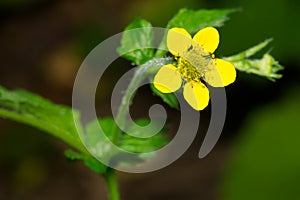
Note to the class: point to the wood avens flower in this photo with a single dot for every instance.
(195, 62)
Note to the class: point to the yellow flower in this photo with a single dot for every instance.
(195, 62)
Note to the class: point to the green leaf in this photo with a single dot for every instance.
(88, 160)
(142, 145)
(266, 66)
(169, 98)
(97, 145)
(133, 42)
(193, 21)
(97, 139)
(33, 110)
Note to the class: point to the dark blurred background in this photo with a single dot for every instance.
(43, 43)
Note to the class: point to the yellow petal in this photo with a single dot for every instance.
(221, 73)
(208, 38)
(178, 41)
(167, 79)
(196, 94)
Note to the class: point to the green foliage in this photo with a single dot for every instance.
(88, 160)
(265, 162)
(133, 42)
(96, 138)
(98, 146)
(142, 145)
(266, 66)
(40, 113)
(58, 120)
(97, 143)
(194, 20)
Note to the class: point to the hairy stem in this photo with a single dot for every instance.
(140, 74)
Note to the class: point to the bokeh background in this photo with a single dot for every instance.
(43, 43)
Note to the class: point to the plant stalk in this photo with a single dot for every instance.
(140, 74)
(112, 184)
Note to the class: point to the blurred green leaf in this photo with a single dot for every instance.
(265, 158)
(88, 160)
(134, 41)
(169, 98)
(266, 66)
(33, 110)
(193, 21)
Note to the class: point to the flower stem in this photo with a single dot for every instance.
(112, 184)
(140, 74)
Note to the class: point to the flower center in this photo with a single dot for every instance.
(193, 63)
